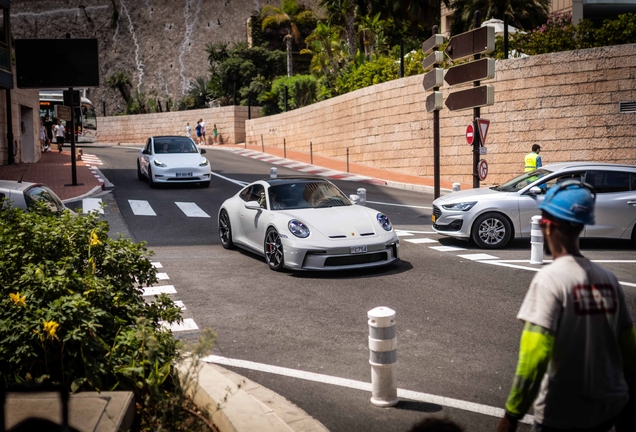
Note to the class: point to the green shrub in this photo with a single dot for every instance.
(377, 71)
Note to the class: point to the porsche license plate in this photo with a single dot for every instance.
(184, 174)
(433, 218)
(358, 249)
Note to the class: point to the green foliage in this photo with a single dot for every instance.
(302, 90)
(369, 73)
(71, 309)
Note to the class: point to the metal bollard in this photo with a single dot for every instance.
(273, 172)
(362, 193)
(456, 187)
(536, 241)
(382, 356)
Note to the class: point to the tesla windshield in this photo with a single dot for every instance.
(518, 183)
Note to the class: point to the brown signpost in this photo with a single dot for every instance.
(474, 97)
(482, 69)
(434, 78)
(434, 58)
(464, 45)
(434, 101)
(432, 43)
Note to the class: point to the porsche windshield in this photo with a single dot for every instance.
(306, 194)
(518, 183)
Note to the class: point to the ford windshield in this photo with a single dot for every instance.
(518, 183)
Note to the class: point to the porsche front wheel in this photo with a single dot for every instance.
(274, 250)
(225, 230)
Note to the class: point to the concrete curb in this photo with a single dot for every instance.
(237, 404)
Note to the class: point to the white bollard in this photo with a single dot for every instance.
(273, 172)
(536, 241)
(457, 187)
(362, 193)
(383, 356)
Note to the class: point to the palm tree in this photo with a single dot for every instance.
(344, 12)
(370, 27)
(287, 15)
(523, 14)
(121, 81)
(321, 40)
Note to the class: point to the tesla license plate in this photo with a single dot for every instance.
(358, 249)
(184, 174)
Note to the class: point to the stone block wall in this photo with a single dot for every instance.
(135, 129)
(566, 102)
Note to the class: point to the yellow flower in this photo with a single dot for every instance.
(94, 239)
(51, 327)
(17, 299)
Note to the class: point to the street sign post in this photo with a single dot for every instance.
(483, 169)
(434, 101)
(62, 112)
(472, 98)
(478, 41)
(434, 78)
(432, 43)
(470, 134)
(477, 70)
(482, 126)
(434, 58)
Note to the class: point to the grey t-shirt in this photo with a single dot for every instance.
(585, 306)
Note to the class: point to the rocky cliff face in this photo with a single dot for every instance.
(159, 44)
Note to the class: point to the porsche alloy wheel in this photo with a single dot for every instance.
(225, 230)
(274, 250)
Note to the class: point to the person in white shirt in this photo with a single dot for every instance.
(59, 135)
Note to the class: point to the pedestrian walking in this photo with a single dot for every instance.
(48, 125)
(577, 356)
(533, 160)
(198, 129)
(203, 132)
(215, 135)
(188, 129)
(43, 140)
(59, 135)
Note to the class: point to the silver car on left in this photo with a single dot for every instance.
(24, 195)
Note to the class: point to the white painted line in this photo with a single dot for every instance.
(156, 290)
(421, 240)
(238, 182)
(478, 257)
(192, 210)
(418, 232)
(141, 208)
(399, 205)
(179, 304)
(92, 205)
(505, 264)
(615, 261)
(360, 385)
(297, 165)
(627, 284)
(156, 264)
(162, 276)
(401, 233)
(188, 324)
(446, 248)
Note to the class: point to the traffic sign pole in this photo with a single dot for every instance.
(476, 114)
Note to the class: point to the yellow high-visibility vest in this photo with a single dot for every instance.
(531, 161)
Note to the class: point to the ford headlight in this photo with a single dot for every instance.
(204, 162)
(159, 164)
(384, 221)
(462, 206)
(298, 228)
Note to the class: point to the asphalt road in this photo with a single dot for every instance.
(456, 327)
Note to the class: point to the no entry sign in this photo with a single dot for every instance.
(470, 134)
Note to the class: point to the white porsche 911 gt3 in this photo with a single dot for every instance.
(306, 223)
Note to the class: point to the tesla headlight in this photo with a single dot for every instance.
(298, 228)
(384, 221)
(462, 206)
(204, 162)
(159, 164)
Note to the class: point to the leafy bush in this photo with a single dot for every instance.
(71, 309)
(302, 90)
(366, 74)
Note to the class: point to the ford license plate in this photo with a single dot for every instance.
(358, 249)
(184, 174)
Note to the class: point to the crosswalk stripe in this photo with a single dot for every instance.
(157, 264)
(162, 276)
(478, 256)
(141, 208)
(186, 325)
(421, 240)
(446, 248)
(164, 289)
(92, 205)
(191, 209)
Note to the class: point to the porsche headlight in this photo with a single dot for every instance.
(204, 162)
(462, 206)
(159, 164)
(384, 221)
(298, 228)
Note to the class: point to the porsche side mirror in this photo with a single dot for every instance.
(203, 151)
(354, 198)
(253, 205)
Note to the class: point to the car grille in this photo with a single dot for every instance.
(436, 211)
(177, 179)
(355, 259)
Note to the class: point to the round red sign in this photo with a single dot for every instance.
(483, 169)
(470, 134)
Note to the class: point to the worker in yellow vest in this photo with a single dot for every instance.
(533, 160)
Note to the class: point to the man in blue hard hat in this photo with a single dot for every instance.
(577, 356)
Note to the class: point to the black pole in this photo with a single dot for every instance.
(311, 153)
(234, 93)
(262, 144)
(436, 145)
(159, 105)
(286, 96)
(347, 159)
(10, 148)
(476, 114)
(401, 58)
(104, 108)
(249, 106)
(284, 148)
(505, 36)
(73, 164)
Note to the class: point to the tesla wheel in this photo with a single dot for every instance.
(225, 230)
(151, 181)
(274, 250)
(140, 176)
(491, 231)
(205, 184)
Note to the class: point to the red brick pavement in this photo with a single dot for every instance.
(54, 170)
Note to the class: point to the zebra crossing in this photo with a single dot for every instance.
(144, 208)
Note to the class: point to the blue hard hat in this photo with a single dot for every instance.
(571, 201)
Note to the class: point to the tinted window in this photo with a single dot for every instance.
(609, 181)
(44, 194)
(252, 193)
(306, 194)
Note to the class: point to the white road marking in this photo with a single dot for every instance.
(421, 240)
(156, 264)
(187, 325)
(417, 232)
(141, 208)
(156, 290)
(179, 304)
(163, 276)
(192, 210)
(401, 233)
(92, 205)
(360, 385)
(446, 248)
(478, 257)
(399, 205)
(238, 182)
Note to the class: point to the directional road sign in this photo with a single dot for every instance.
(434, 101)
(470, 134)
(435, 41)
(464, 45)
(472, 98)
(62, 112)
(482, 168)
(434, 78)
(483, 125)
(477, 70)
(433, 59)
